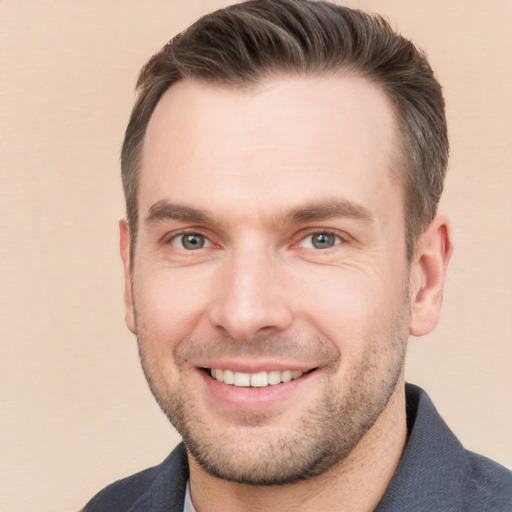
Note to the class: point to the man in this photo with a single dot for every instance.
(282, 169)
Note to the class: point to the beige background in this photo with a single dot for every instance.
(75, 411)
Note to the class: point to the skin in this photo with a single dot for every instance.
(254, 175)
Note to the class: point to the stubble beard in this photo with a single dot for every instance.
(324, 436)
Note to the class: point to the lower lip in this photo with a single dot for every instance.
(253, 398)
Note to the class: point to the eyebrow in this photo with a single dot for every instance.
(328, 209)
(164, 210)
(313, 211)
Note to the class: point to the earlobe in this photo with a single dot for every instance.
(428, 270)
(124, 242)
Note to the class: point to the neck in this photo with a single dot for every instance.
(355, 484)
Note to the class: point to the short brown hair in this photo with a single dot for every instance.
(245, 43)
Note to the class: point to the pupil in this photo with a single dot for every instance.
(323, 241)
(193, 241)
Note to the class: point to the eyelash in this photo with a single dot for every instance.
(303, 236)
(327, 232)
(168, 239)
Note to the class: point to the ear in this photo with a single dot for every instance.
(428, 270)
(124, 242)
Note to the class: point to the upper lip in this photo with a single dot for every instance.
(256, 367)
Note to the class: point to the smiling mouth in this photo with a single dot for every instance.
(255, 380)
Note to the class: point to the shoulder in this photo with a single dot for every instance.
(490, 484)
(437, 473)
(481, 483)
(158, 488)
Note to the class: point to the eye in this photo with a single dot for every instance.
(323, 240)
(190, 241)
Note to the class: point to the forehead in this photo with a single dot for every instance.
(289, 139)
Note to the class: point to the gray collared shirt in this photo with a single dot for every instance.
(435, 474)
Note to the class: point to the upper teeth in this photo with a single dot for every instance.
(258, 380)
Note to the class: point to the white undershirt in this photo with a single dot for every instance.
(188, 505)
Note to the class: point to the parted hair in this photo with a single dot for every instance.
(247, 43)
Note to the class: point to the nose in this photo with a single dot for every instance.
(251, 298)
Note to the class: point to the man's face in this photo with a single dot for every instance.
(271, 246)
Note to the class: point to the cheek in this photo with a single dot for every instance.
(169, 305)
(348, 305)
